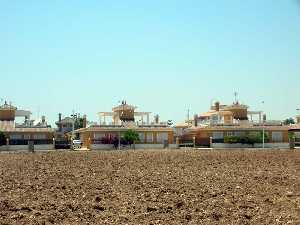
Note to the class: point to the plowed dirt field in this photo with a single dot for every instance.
(150, 187)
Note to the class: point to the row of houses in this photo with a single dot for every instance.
(236, 120)
(209, 129)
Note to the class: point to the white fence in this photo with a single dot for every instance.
(137, 146)
(25, 147)
(267, 145)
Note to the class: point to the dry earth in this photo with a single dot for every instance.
(150, 187)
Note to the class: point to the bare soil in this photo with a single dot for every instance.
(150, 187)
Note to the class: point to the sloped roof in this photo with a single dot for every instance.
(124, 107)
(65, 120)
(121, 128)
(6, 106)
(208, 114)
(214, 112)
(242, 128)
(295, 127)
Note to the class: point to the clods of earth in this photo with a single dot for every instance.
(150, 187)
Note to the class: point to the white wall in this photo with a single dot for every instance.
(137, 146)
(149, 146)
(43, 147)
(3, 148)
(267, 145)
(173, 146)
(17, 147)
(102, 147)
(25, 147)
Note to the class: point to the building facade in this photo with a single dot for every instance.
(153, 134)
(18, 135)
(213, 127)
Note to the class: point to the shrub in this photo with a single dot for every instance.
(2, 138)
(250, 139)
(231, 139)
(131, 136)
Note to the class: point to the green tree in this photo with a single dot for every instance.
(289, 121)
(2, 138)
(78, 123)
(258, 138)
(131, 136)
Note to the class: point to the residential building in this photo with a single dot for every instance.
(295, 129)
(125, 117)
(210, 128)
(17, 134)
(64, 126)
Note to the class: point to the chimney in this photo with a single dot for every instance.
(84, 121)
(156, 119)
(59, 117)
(196, 120)
(217, 106)
(43, 119)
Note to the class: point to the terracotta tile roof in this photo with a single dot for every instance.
(118, 128)
(207, 114)
(242, 128)
(213, 112)
(295, 127)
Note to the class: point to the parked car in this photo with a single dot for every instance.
(76, 144)
(62, 144)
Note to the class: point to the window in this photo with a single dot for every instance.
(297, 134)
(214, 119)
(39, 136)
(230, 134)
(142, 137)
(149, 137)
(99, 136)
(218, 135)
(254, 133)
(239, 133)
(27, 137)
(277, 136)
(15, 136)
(161, 137)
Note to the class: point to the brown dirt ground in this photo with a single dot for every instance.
(150, 187)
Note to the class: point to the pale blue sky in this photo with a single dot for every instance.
(163, 56)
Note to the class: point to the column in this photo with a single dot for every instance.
(148, 120)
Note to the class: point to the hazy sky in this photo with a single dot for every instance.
(164, 56)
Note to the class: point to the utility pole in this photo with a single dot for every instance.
(263, 137)
(73, 123)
